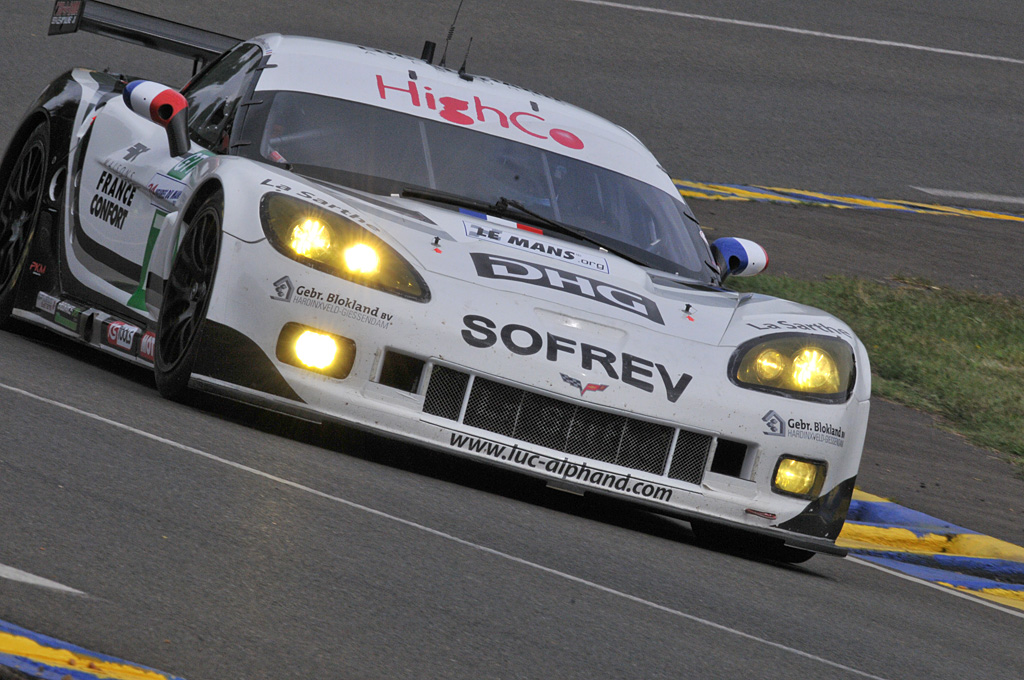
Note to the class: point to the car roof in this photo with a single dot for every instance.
(408, 85)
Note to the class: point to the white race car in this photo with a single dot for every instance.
(345, 234)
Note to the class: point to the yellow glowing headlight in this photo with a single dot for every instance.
(362, 259)
(316, 350)
(343, 246)
(815, 371)
(310, 238)
(799, 477)
(770, 364)
(800, 365)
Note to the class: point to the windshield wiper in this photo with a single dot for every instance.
(506, 207)
(445, 197)
(504, 204)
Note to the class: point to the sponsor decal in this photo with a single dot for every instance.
(65, 17)
(147, 346)
(113, 198)
(121, 335)
(334, 303)
(187, 164)
(37, 268)
(283, 289)
(509, 269)
(562, 468)
(319, 200)
(135, 151)
(589, 387)
(166, 187)
(774, 424)
(799, 428)
(68, 315)
(47, 303)
(517, 239)
(468, 113)
(794, 326)
(521, 340)
(122, 169)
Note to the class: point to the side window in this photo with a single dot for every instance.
(214, 95)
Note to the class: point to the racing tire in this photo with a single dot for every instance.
(747, 543)
(20, 200)
(187, 298)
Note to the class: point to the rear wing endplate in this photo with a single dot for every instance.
(171, 37)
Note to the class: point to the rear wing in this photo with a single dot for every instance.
(171, 37)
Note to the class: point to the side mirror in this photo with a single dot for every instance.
(739, 257)
(164, 106)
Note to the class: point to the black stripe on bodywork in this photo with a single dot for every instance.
(228, 355)
(123, 266)
(824, 517)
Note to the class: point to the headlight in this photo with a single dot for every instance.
(336, 245)
(810, 367)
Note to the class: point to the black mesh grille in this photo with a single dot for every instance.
(445, 393)
(596, 435)
(553, 423)
(564, 426)
(644, 446)
(689, 457)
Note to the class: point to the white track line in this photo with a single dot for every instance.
(12, 574)
(448, 537)
(801, 31)
(944, 589)
(971, 195)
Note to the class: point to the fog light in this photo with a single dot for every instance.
(799, 477)
(316, 350)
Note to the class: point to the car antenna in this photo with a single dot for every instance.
(451, 32)
(462, 69)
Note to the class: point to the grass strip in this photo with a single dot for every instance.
(958, 354)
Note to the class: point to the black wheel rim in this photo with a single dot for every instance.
(188, 288)
(18, 207)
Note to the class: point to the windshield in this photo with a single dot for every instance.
(382, 151)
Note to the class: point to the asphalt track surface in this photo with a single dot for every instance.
(213, 541)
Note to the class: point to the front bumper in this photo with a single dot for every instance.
(707, 457)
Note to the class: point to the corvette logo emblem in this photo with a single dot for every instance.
(589, 387)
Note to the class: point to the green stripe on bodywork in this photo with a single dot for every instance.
(138, 298)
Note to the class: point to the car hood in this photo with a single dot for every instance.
(477, 263)
(577, 285)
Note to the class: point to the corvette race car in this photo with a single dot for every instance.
(349, 235)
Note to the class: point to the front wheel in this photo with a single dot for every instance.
(19, 209)
(186, 299)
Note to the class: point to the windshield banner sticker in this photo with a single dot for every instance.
(519, 239)
(457, 111)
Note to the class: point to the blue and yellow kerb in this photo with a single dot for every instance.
(739, 192)
(913, 543)
(39, 656)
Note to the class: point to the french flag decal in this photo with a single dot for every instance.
(152, 100)
(739, 257)
(497, 220)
